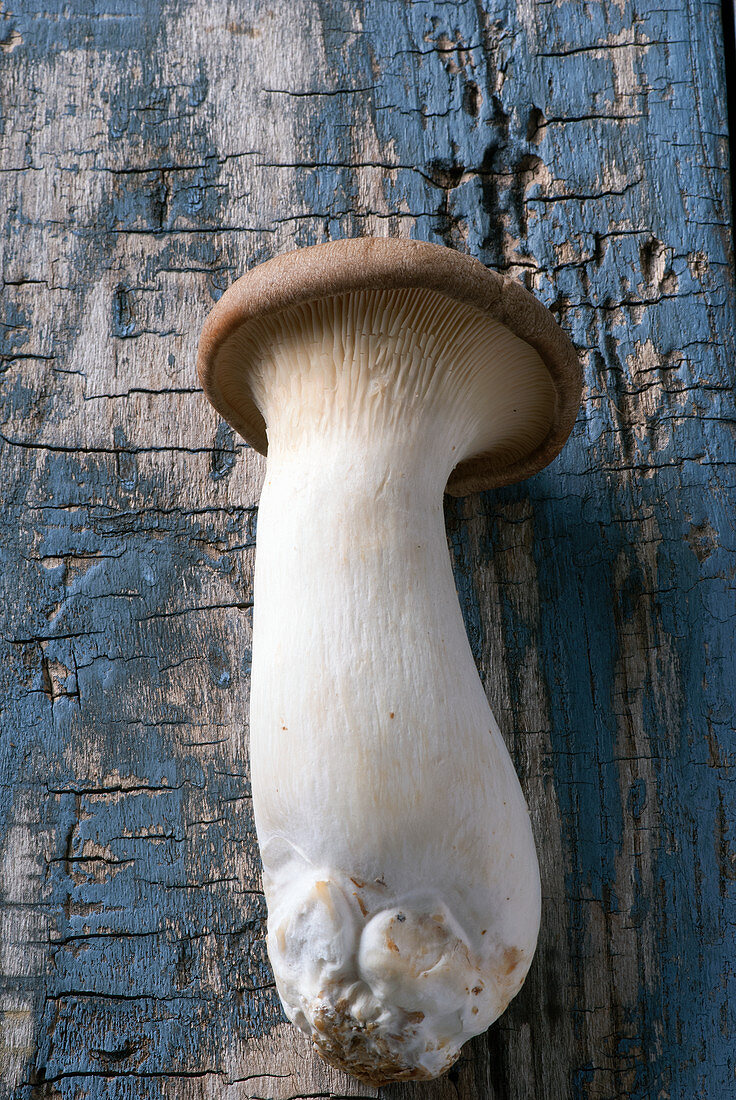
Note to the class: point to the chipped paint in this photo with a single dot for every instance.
(151, 151)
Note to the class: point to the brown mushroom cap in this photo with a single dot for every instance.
(367, 263)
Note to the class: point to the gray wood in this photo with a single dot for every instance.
(154, 149)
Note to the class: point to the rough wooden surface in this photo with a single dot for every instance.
(150, 152)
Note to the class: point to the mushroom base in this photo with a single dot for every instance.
(375, 1059)
(390, 994)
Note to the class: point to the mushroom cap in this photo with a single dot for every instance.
(372, 263)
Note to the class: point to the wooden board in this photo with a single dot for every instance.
(151, 152)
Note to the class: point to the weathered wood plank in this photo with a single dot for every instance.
(152, 151)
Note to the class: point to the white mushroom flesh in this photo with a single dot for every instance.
(399, 865)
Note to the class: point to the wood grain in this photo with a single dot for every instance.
(152, 151)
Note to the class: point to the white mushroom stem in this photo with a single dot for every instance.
(399, 865)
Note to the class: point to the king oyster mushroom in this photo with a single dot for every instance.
(398, 860)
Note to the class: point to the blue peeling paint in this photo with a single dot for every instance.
(499, 133)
